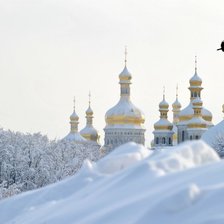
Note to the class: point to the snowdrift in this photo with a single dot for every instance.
(183, 184)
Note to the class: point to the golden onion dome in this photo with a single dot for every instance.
(74, 116)
(197, 121)
(163, 104)
(125, 75)
(89, 111)
(163, 124)
(176, 104)
(90, 133)
(195, 80)
(124, 112)
(187, 113)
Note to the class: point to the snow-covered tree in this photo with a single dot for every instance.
(218, 145)
(29, 161)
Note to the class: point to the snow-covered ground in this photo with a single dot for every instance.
(184, 184)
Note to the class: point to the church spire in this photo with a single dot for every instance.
(195, 83)
(89, 98)
(177, 92)
(89, 113)
(125, 79)
(176, 108)
(163, 106)
(74, 134)
(195, 64)
(74, 120)
(125, 56)
(89, 132)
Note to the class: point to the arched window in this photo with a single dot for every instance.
(191, 137)
(196, 137)
(182, 136)
(170, 142)
(164, 140)
(157, 140)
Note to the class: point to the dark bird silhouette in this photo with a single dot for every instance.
(222, 46)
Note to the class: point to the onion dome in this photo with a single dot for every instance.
(195, 89)
(176, 108)
(176, 104)
(89, 111)
(195, 80)
(163, 104)
(124, 114)
(163, 123)
(74, 116)
(188, 112)
(74, 134)
(197, 121)
(89, 132)
(125, 76)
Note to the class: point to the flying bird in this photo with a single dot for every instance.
(222, 46)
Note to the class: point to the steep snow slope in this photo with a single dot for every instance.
(184, 184)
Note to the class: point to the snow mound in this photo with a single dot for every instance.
(122, 157)
(183, 184)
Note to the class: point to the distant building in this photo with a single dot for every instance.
(163, 133)
(124, 121)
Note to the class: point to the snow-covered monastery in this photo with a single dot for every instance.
(125, 121)
(189, 123)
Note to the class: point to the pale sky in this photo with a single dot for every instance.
(53, 50)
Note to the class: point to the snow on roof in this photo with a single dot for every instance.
(74, 115)
(195, 78)
(125, 73)
(197, 120)
(125, 107)
(130, 185)
(163, 122)
(163, 103)
(75, 137)
(188, 111)
(213, 133)
(176, 103)
(89, 110)
(197, 100)
(89, 129)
